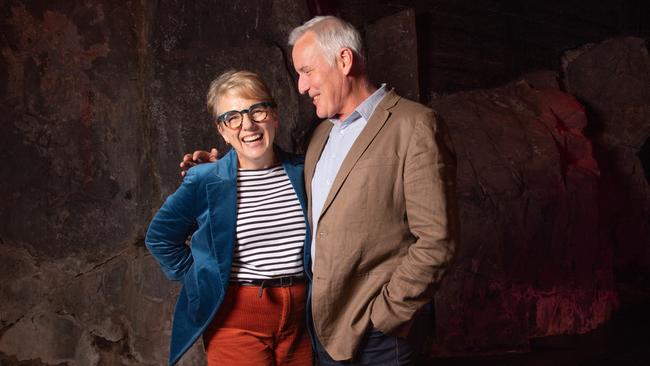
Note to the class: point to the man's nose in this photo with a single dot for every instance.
(303, 84)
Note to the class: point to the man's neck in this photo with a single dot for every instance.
(360, 90)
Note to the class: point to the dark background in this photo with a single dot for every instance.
(548, 104)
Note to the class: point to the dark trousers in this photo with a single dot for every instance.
(377, 348)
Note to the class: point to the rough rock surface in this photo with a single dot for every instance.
(99, 101)
(529, 263)
(613, 80)
(397, 47)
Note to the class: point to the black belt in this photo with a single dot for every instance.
(286, 281)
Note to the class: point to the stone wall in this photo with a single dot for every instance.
(99, 102)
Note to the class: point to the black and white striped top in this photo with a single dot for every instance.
(271, 227)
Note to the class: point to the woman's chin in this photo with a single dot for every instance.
(255, 158)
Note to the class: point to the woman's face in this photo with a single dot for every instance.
(253, 141)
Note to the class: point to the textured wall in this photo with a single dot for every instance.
(470, 44)
(78, 285)
(99, 99)
(613, 80)
(529, 263)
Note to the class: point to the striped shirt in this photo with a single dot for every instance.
(271, 226)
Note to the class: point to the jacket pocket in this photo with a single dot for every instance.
(378, 161)
(191, 289)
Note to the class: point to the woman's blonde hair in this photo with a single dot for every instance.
(241, 83)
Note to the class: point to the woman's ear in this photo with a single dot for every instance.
(276, 118)
(219, 127)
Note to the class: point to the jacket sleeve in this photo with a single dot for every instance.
(170, 228)
(430, 201)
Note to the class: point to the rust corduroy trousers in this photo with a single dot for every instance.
(260, 331)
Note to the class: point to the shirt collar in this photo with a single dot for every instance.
(365, 109)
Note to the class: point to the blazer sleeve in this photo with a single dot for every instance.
(429, 190)
(170, 228)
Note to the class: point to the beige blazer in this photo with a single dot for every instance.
(388, 227)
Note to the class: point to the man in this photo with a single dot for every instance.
(380, 181)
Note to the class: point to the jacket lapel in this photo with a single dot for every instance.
(314, 151)
(222, 203)
(372, 128)
(294, 167)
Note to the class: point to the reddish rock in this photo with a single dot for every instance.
(613, 80)
(529, 263)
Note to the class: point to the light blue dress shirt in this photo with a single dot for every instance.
(339, 142)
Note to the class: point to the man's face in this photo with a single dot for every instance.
(323, 82)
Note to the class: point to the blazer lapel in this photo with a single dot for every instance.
(314, 151)
(222, 203)
(372, 128)
(295, 172)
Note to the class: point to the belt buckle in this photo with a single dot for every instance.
(286, 281)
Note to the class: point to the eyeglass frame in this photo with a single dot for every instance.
(222, 117)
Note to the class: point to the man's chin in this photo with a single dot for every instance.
(322, 114)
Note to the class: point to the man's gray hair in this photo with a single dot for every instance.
(332, 34)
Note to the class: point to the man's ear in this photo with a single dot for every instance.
(345, 59)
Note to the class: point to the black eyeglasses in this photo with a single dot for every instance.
(257, 113)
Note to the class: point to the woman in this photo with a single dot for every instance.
(243, 285)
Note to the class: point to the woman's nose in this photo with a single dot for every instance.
(247, 123)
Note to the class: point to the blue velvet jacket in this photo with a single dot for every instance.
(205, 206)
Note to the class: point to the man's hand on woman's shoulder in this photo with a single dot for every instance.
(198, 157)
